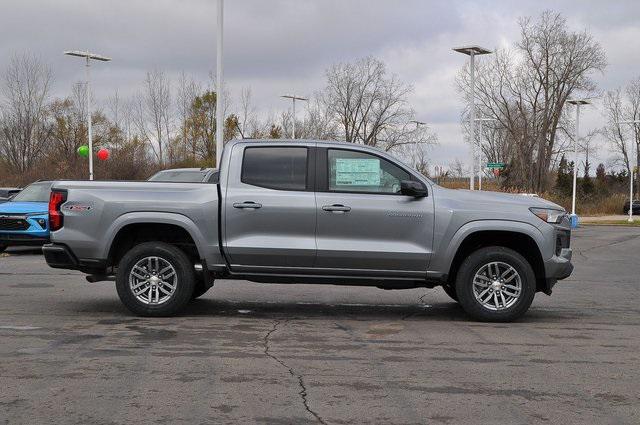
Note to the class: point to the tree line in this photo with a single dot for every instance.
(171, 123)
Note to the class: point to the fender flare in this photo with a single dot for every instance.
(476, 226)
(146, 217)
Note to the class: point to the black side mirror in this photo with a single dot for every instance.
(411, 188)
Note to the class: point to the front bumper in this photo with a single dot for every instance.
(557, 268)
(28, 239)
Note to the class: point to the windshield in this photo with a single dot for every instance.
(37, 192)
(195, 176)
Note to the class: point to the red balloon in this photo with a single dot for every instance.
(103, 154)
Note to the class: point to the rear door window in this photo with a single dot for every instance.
(280, 168)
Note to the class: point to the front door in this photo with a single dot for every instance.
(270, 208)
(364, 223)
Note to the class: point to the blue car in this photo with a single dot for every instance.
(24, 220)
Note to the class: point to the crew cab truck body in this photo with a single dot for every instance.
(309, 212)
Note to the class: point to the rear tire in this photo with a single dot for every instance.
(451, 291)
(2, 248)
(495, 284)
(155, 279)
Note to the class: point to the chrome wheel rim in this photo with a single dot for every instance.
(497, 286)
(153, 280)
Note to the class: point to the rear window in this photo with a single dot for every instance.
(281, 168)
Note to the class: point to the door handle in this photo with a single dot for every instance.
(336, 208)
(248, 205)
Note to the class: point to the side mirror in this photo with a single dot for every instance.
(411, 188)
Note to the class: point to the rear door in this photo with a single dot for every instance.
(270, 208)
(364, 223)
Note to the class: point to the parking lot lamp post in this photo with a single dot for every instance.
(88, 57)
(472, 51)
(480, 152)
(632, 122)
(293, 100)
(219, 86)
(577, 103)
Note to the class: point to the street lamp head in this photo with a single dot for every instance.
(293, 97)
(579, 101)
(476, 50)
(87, 55)
(418, 123)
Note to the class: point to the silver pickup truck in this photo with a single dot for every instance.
(308, 211)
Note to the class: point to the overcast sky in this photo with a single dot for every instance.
(284, 46)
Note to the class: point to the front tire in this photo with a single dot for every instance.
(155, 279)
(495, 284)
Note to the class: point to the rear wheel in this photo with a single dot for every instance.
(2, 248)
(495, 284)
(155, 279)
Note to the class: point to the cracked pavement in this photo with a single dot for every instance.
(285, 354)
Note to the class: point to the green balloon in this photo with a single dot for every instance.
(83, 151)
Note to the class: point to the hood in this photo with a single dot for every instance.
(492, 198)
(24, 207)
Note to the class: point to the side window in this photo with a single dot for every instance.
(281, 168)
(352, 171)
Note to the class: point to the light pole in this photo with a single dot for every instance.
(472, 51)
(219, 88)
(630, 219)
(577, 103)
(480, 152)
(293, 100)
(88, 57)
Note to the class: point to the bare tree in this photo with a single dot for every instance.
(367, 104)
(318, 123)
(623, 105)
(23, 121)
(153, 110)
(188, 90)
(525, 89)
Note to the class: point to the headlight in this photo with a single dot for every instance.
(549, 215)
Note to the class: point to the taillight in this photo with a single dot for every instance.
(56, 219)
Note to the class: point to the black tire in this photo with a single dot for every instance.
(200, 289)
(2, 248)
(185, 279)
(451, 291)
(473, 263)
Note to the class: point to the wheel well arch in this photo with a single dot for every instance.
(135, 233)
(522, 243)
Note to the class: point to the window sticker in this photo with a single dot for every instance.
(357, 172)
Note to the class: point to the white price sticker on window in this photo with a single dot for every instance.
(357, 172)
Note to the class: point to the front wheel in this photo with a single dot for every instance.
(495, 284)
(155, 279)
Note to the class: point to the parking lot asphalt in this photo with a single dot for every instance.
(284, 354)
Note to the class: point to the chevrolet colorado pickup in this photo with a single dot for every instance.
(309, 211)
